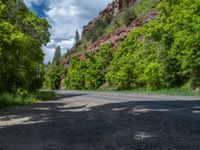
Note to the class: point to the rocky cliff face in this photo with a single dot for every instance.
(112, 9)
(120, 33)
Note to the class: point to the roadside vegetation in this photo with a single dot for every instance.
(22, 35)
(170, 91)
(53, 76)
(7, 100)
(164, 53)
(90, 72)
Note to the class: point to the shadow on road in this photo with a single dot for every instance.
(67, 95)
(147, 125)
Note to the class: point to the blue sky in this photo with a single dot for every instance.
(65, 16)
(39, 9)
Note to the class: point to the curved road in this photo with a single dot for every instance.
(103, 121)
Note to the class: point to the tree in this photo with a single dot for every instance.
(22, 35)
(53, 76)
(128, 16)
(166, 56)
(57, 54)
(89, 73)
(77, 38)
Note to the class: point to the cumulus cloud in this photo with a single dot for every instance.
(65, 17)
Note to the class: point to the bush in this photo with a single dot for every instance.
(98, 63)
(153, 75)
(75, 78)
(99, 28)
(162, 53)
(53, 76)
(90, 72)
(128, 16)
(7, 100)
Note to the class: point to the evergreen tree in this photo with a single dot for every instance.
(57, 54)
(77, 37)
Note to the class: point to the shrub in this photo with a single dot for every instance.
(7, 100)
(90, 72)
(53, 76)
(153, 75)
(128, 16)
(75, 78)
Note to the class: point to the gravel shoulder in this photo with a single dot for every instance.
(77, 120)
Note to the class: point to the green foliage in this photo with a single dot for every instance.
(22, 35)
(121, 74)
(99, 28)
(143, 6)
(90, 72)
(165, 91)
(7, 100)
(53, 76)
(128, 16)
(75, 78)
(109, 23)
(153, 75)
(162, 53)
(98, 63)
(181, 36)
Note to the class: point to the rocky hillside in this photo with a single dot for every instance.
(152, 44)
(114, 10)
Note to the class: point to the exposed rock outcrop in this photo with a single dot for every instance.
(115, 37)
(119, 34)
(112, 9)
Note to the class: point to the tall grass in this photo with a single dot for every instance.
(7, 100)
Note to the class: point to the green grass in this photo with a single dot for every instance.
(169, 92)
(172, 92)
(7, 100)
(144, 6)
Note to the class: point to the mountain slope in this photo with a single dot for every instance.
(154, 45)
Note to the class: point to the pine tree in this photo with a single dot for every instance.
(57, 54)
(77, 37)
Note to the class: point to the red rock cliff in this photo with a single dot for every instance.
(113, 9)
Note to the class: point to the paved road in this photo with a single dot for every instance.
(103, 121)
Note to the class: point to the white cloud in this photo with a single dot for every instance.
(65, 44)
(50, 48)
(65, 17)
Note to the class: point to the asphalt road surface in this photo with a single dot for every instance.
(103, 121)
